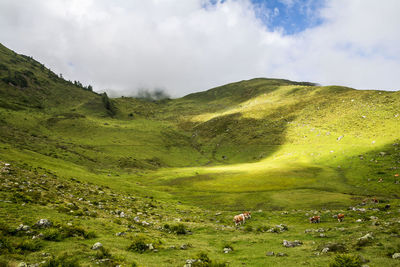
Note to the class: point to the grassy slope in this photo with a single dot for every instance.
(262, 144)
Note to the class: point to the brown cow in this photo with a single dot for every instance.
(239, 219)
(315, 219)
(340, 217)
(247, 214)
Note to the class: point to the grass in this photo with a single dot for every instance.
(180, 169)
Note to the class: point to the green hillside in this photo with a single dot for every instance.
(180, 169)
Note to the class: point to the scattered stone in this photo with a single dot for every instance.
(120, 234)
(190, 262)
(281, 254)
(270, 253)
(396, 256)
(22, 264)
(150, 246)
(22, 227)
(325, 250)
(322, 235)
(366, 237)
(184, 247)
(97, 246)
(359, 220)
(291, 244)
(40, 235)
(227, 250)
(43, 223)
(136, 219)
(122, 214)
(340, 138)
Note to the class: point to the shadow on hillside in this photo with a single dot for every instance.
(233, 138)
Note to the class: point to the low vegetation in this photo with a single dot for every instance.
(89, 180)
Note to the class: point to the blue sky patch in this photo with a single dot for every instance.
(289, 16)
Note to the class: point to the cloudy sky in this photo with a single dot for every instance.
(184, 46)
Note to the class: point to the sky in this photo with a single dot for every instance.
(186, 46)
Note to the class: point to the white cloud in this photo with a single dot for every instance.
(191, 45)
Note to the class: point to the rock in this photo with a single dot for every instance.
(396, 256)
(184, 247)
(359, 220)
(340, 138)
(366, 237)
(281, 254)
(291, 244)
(22, 227)
(22, 264)
(43, 223)
(150, 246)
(136, 219)
(122, 214)
(97, 246)
(322, 235)
(325, 250)
(40, 235)
(120, 234)
(227, 250)
(270, 253)
(190, 262)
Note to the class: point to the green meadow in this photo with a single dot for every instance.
(157, 182)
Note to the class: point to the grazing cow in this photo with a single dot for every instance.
(239, 219)
(247, 214)
(340, 217)
(315, 219)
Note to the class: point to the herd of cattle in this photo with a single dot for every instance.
(241, 218)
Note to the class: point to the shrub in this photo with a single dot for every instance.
(29, 245)
(138, 245)
(262, 229)
(179, 229)
(74, 231)
(103, 253)
(53, 234)
(204, 261)
(346, 261)
(62, 261)
(248, 228)
(5, 245)
(391, 250)
(335, 247)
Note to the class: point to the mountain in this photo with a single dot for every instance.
(187, 165)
